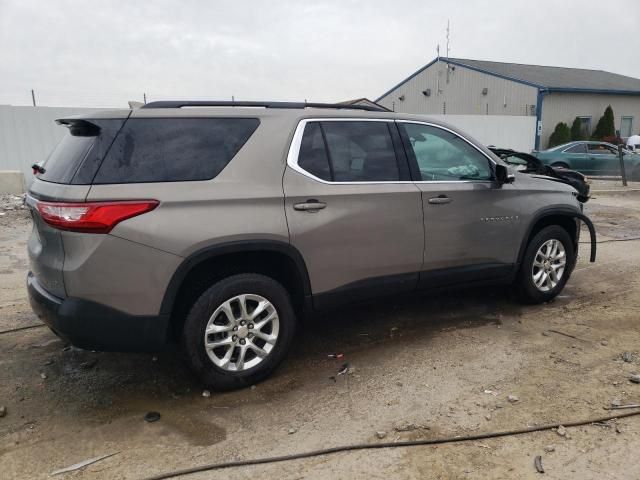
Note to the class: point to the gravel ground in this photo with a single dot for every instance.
(443, 366)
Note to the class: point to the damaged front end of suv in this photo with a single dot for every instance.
(527, 163)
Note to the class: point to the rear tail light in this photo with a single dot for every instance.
(92, 217)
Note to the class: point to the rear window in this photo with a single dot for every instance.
(349, 151)
(76, 158)
(173, 150)
(313, 155)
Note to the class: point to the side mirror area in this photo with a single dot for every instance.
(503, 175)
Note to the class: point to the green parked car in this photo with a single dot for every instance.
(591, 158)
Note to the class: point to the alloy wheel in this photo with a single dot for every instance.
(548, 265)
(241, 332)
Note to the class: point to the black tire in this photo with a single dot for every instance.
(560, 165)
(526, 290)
(192, 341)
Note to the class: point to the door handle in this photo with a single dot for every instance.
(439, 200)
(310, 205)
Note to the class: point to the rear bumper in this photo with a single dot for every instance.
(94, 326)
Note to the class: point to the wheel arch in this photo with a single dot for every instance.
(567, 218)
(278, 260)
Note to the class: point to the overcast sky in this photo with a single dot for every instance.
(103, 53)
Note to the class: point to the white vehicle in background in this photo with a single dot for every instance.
(633, 143)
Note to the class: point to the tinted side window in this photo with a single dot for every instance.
(361, 151)
(443, 155)
(87, 170)
(579, 148)
(173, 150)
(313, 155)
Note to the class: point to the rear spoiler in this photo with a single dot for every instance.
(79, 127)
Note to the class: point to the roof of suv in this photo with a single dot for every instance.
(292, 111)
(198, 108)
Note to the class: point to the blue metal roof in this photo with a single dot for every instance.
(551, 79)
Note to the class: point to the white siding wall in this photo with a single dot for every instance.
(565, 107)
(28, 134)
(507, 131)
(462, 94)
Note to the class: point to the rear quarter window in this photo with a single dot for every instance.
(174, 150)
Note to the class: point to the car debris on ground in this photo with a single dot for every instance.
(78, 466)
(410, 427)
(151, 417)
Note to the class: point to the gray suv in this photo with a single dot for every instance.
(219, 225)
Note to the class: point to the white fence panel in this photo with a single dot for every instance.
(28, 134)
(506, 131)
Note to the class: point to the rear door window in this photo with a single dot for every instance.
(578, 148)
(361, 151)
(313, 154)
(349, 151)
(174, 150)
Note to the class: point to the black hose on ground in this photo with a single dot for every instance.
(23, 328)
(628, 239)
(369, 446)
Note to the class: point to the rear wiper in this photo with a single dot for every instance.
(37, 168)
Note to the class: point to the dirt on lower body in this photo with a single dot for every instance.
(420, 367)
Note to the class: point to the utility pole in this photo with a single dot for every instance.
(144, 97)
(622, 167)
(447, 38)
(448, 31)
(33, 97)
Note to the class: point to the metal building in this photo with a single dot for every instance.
(551, 94)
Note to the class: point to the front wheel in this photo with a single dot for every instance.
(546, 266)
(238, 331)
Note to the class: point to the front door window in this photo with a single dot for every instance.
(444, 156)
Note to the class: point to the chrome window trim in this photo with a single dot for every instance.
(296, 142)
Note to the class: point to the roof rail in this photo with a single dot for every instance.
(222, 103)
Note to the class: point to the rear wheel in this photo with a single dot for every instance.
(238, 331)
(560, 165)
(546, 265)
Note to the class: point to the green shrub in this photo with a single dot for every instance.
(576, 130)
(561, 134)
(606, 126)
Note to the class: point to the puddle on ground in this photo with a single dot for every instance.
(196, 432)
(192, 425)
